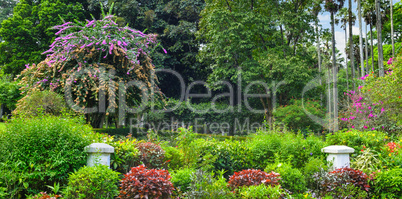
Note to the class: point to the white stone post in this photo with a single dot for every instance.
(99, 153)
(338, 155)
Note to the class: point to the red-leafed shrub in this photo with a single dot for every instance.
(335, 182)
(44, 195)
(351, 176)
(253, 177)
(151, 155)
(143, 183)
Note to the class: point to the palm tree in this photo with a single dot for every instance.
(343, 16)
(379, 38)
(352, 62)
(359, 12)
(333, 6)
(392, 30)
(369, 18)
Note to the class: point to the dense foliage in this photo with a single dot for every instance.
(92, 182)
(40, 151)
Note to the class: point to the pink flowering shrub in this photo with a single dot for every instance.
(94, 58)
(361, 113)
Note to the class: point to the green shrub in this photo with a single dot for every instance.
(387, 184)
(125, 155)
(173, 157)
(262, 192)
(205, 186)
(43, 150)
(291, 178)
(358, 139)
(265, 145)
(98, 182)
(182, 179)
(39, 102)
(366, 161)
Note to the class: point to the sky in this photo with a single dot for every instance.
(325, 20)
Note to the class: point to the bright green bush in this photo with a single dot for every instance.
(265, 145)
(358, 139)
(205, 186)
(182, 179)
(98, 182)
(173, 157)
(314, 165)
(292, 179)
(43, 150)
(262, 192)
(387, 184)
(125, 155)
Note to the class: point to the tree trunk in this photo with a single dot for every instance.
(319, 58)
(1, 111)
(359, 12)
(392, 30)
(351, 54)
(379, 39)
(329, 101)
(346, 60)
(366, 45)
(334, 74)
(372, 47)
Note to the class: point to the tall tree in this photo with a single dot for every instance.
(352, 62)
(379, 39)
(392, 29)
(28, 32)
(343, 18)
(359, 11)
(176, 23)
(259, 43)
(369, 17)
(333, 6)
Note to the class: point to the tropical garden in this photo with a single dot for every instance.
(200, 98)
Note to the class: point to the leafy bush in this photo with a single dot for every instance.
(388, 90)
(294, 116)
(253, 177)
(9, 93)
(125, 155)
(265, 145)
(262, 191)
(151, 155)
(205, 186)
(348, 191)
(358, 139)
(143, 183)
(173, 157)
(93, 182)
(44, 150)
(367, 162)
(182, 179)
(39, 102)
(291, 178)
(387, 184)
(328, 182)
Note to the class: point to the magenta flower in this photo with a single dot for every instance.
(365, 127)
(390, 61)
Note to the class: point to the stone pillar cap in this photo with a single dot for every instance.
(99, 148)
(335, 149)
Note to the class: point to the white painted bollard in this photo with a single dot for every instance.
(338, 155)
(99, 153)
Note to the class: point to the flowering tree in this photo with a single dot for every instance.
(92, 61)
